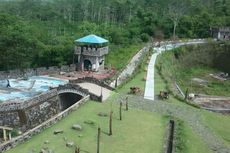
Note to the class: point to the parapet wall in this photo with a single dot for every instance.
(36, 71)
(20, 139)
(28, 114)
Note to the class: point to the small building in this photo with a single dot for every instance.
(221, 33)
(90, 53)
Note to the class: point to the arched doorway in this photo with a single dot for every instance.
(87, 65)
(68, 99)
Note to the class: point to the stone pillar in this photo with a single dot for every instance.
(9, 135)
(218, 35)
(4, 134)
(97, 64)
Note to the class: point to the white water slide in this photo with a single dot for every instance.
(165, 46)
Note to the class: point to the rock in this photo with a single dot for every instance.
(89, 122)
(50, 151)
(102, 114)
(42, 151)
(64, 138)
(62, 73)
(201, 81)
(77, 127)
(80, 135)
(46, 142)
(70, 144)
(58, 132)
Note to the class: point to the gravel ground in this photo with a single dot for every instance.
(189, 115)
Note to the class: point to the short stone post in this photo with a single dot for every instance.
(10, 136)
(4, 134)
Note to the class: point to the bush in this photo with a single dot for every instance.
(145, 37)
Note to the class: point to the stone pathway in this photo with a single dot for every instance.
(96, 89)
(189, 115)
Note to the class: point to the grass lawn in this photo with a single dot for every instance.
(218, 123)
(139, 131)
(137, 81)
(175, 70)
(192, 142)
(121, 55)
(159, 83)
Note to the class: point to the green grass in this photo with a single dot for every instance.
(193, 143)
(119, 56)
(218, 123)
(137, 81)
(175, 70)
(159, 83)
(186, 140)
(139, 131)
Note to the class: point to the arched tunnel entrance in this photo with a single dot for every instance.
(68, 99)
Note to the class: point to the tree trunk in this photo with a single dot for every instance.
(126, 104)
(98, 139)
(120, 111)
(174, 29)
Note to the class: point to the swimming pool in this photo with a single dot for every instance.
(24, 89)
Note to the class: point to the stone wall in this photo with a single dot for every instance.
(30, 113)
(42, 112)
(36, 71)
(27, 135)
(169, 140)
(9, 119)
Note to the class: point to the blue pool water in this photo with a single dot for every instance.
(25, 89)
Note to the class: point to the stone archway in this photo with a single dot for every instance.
(87, 64)
(67, 99)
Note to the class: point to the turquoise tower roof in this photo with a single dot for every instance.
(93, 39)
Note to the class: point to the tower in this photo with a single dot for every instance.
(90, 51)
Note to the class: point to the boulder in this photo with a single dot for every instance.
(58, 132)
(70, 144)
(77, 127)
(102, 114)
(46, 142)
(89, 122)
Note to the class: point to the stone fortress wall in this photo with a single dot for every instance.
(38, 129)
(30, 113)
(13, 74)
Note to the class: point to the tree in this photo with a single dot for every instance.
(176, 9)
